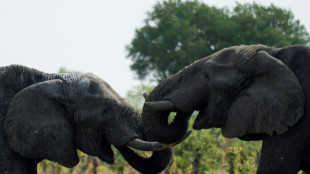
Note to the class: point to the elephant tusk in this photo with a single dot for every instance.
(148, 146)
(153, 146)
(145, 95)
(160, 106)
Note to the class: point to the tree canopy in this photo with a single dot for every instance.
(176, 33)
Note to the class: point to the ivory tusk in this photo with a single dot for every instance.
(153, 146)
(160, 105)
(145, 95)
(148, 146)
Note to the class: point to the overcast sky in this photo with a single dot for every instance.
(87, 36)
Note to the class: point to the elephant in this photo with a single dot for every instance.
(250, 92)
(50, 116)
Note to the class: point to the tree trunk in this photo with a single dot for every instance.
(231, 168)
(95, 165)
(196, 162)
(85, 166)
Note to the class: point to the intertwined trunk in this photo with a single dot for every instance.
(156, 123)
(155, 164)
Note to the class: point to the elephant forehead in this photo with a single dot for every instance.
(95, 84)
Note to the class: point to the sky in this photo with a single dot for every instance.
(88, 36)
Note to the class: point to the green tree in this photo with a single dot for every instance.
(177, 33)
(65, 70)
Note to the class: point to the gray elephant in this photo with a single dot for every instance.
(251, 92)
(49, 116)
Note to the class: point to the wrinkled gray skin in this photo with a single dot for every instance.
(251, 92)
(49, 116)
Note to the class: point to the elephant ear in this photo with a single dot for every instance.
(270, 104)
(37, 124)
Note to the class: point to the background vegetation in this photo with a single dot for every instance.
(175, 34)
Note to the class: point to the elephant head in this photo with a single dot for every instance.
(52, 118)
(244, 90)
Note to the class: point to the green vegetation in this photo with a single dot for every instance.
(176, 33)
(65, 70)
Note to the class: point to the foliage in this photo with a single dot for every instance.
(135, 95)
(176, 33)
(65, 70)
(207, 151)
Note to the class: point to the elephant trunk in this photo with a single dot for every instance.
(142, 142)
(155, 164)
(157, 127)
(172, 95)
(156, 124)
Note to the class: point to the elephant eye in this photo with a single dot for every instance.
(206, 75)
(104, 111)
